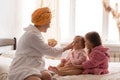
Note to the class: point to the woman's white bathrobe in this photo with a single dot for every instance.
(29, 55)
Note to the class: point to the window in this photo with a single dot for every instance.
(113, 34)
(64, 18)
(24, 10)
(88, 16)
(82, 16)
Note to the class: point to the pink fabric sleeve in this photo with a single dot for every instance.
(96, 58)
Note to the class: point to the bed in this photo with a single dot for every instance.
(7, 50)
(7, 55)
(114, 74)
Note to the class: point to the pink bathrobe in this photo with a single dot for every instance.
(98, 61)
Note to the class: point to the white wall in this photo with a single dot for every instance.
(8, 18)
(14, 16)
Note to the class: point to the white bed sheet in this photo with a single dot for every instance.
(114, 68)
(114, 73)
(4, 67)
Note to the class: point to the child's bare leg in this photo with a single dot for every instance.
(70, 72)
(54, 69)
(46, 75)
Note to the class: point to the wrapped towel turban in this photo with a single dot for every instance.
(41, 16)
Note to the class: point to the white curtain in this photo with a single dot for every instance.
(53, 31)
(25, 9)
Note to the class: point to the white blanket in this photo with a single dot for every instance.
(114, 69)
(114, 73)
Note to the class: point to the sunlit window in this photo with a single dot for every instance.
(77, 17)
(26, 9)
(113, 29)
(64, 18)
(88, 16)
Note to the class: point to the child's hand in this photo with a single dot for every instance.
(52, 42)
(63, 60)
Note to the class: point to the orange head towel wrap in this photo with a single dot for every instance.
(41, 16)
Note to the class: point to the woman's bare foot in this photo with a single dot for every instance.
(54, 69)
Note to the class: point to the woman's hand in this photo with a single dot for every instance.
(52, 42)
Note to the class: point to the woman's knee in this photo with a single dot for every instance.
(33, 78)
(46, 75)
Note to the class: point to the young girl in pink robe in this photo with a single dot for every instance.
(98, 55)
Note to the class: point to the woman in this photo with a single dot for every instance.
(28, 63)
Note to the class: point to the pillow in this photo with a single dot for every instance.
(9, 54)
(4, 67)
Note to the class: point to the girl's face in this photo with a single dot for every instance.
(77, 43)
(88, 44)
